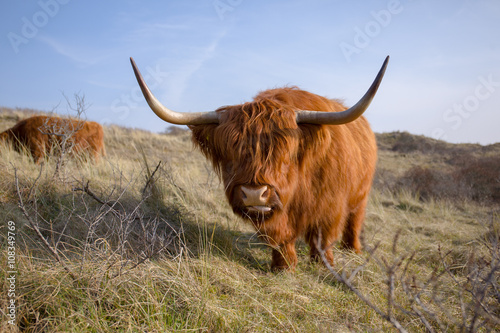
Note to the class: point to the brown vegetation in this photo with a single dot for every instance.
(441, 170)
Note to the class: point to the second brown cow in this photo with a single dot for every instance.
(40, 134)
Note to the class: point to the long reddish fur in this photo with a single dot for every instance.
(323, 173)
(88, 137)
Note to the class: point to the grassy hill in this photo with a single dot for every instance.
(144, 241)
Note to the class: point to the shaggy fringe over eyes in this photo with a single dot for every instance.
(256, 136)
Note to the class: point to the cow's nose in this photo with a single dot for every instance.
(254, 196)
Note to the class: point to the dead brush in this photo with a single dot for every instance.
(449, 299)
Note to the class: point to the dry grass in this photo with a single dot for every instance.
(162, 251)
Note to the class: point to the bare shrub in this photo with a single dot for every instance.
(175, 130)
(421, 180)
(117, 234)
(430, 183)
(407, 143)
(458, 296)
(64, 130)
(384, 179)
(481, 177)
(470, 178)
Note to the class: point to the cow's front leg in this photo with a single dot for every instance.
(280, 235)
(284, 257)
(325, 245)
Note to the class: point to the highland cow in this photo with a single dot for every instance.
(40, 134)
(293, 164)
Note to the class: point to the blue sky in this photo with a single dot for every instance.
(443, 79)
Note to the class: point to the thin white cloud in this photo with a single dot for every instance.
(147, 31)
(76, 55)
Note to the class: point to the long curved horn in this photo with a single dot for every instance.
(179, 118)
(338, 118)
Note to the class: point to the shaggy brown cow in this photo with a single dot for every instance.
(288, 171)
(39, 134)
